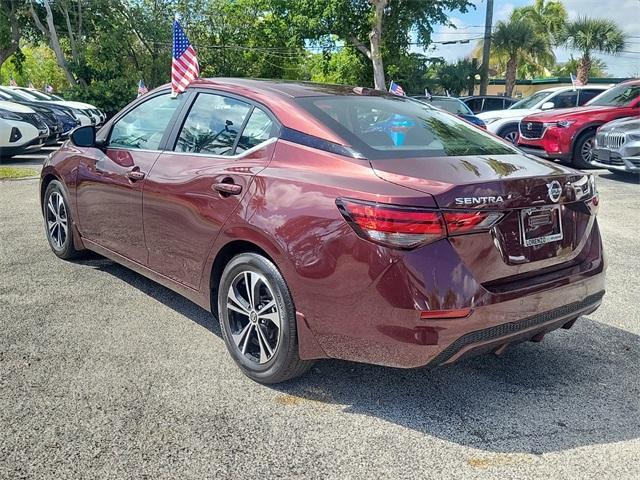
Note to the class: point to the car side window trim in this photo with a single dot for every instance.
(224, 157)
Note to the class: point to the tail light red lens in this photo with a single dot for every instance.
(408, 227)
(464, 222)
(391, 225)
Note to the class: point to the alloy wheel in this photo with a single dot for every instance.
(511, 137)
(586, 151)
(254, 317)
(57, 220)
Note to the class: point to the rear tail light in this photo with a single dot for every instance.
(407, 227)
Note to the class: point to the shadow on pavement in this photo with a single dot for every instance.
(625, 178)
(579, 387)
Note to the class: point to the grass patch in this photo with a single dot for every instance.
(17, 172)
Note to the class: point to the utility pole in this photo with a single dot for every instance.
(486, 48)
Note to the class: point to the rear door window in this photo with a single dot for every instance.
(259, 129)
(565, 100)
(493, 104)
(475, 104)
(212, 125)
(584, 95)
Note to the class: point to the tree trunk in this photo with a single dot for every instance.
(50, 33)
(584, 68)
(375, 39)
(14, 40)
(510, 76)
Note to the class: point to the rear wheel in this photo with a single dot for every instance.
(583, 152)
(510, 133)
(58, 222)
(258, 320)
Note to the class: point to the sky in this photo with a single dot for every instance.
(470, 25)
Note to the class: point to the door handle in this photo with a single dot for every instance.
(135, 175)
(227, 189)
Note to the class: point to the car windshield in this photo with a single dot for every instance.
(22, 95)
(451, 105)
(39, 95)
(529, 102)
(617, 96)
(392, 127)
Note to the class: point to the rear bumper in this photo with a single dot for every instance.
(499, 336)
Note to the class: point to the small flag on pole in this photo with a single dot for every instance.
(12, 81)
(396, 89)
(575, 82)
(31, 85)
(184, 66)
(48, 89)
(142, 89)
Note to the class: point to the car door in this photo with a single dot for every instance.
(194, 188)
(110, 179)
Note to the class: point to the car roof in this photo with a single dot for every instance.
(284, 88)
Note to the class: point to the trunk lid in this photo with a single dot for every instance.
(510, 184)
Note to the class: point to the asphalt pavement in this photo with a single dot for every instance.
(105, 374)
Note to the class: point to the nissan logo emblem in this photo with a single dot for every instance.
(554, 190)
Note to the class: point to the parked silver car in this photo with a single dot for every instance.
(618, 146)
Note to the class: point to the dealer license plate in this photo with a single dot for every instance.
(540, 225)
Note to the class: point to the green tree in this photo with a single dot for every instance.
(589, 35)
(547, 17)
(518, 41)
(455, 77)
(380, 30)
(598, 68)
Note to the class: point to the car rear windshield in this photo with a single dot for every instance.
(618, 96)
(392, 127)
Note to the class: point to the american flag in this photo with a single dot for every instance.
(396, 89)
(142, 88)
(12, 82)
(48, 89)
(184, 67)
(575, 82)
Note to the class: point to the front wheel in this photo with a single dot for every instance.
(583, 151)
(510, 133)
(58, 222)
(258, 320)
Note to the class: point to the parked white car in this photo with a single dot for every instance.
(85, 112)
(22, 130)
(504, 123)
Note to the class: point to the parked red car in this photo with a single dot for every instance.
(319, 221)
(568, 134)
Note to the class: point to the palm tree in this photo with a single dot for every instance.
(588, 35)
(549, 18)
(518, 40)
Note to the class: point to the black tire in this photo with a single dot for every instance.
(270, 288)
(60, 237)
(577, 159)
(509, 133)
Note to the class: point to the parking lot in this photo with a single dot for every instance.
(105, 374)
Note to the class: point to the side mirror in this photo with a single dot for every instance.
(547, 106)
(84, 136)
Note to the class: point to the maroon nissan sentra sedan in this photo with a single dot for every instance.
(322, 221)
